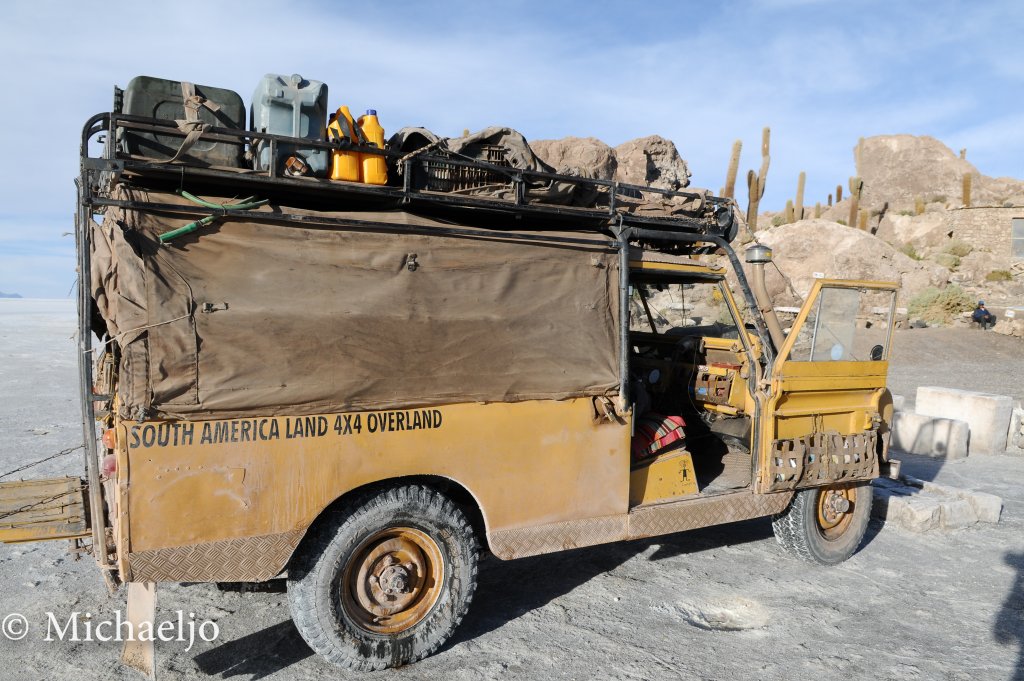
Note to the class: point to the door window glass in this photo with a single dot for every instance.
(845, 325)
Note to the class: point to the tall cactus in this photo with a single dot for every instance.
(755, 181)
(789, 212)
(856, 185)
(963, 154)
(734, 165)
(967, 189)
(817, 207)
(798, 209)
(863, 217)
(839, 193)
(829, 200)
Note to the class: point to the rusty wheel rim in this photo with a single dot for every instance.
(835, 510)
(393, 580)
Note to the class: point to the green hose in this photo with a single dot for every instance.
(244, 204)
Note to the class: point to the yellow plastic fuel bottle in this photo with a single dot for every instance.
(374, 166)
(345, 164)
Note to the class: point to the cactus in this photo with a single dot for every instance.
(967, 189)
(734, 164)
(789, 212)
(963, 154)
(839, 193)
(856, 186)
(829, 200)
(862, 221)
(857, 153)
(817, 207)
(755, 181)
(918, 205)
(798, 209)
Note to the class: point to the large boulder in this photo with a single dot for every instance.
(583, 156)
(653, 161)
(923, 232)
(898, 168)
(807, 247)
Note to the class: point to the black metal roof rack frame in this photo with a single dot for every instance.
(715, 215)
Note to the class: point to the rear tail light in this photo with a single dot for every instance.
(109, 438)
(108, 467)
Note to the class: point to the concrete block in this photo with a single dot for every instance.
(898, 401)
(955, 514)
(917, 514)
(919, 434)
(987, 415)
(986, 506)
(1015, 436)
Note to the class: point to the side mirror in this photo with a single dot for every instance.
(876, 353)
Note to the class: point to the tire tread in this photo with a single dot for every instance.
(312, 617)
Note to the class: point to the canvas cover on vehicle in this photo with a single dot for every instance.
(252, 317)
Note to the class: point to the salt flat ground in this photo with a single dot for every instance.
(722, 603)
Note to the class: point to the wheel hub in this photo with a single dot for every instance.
(393, 580)
(835, 511)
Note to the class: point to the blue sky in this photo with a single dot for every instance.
(820, 73)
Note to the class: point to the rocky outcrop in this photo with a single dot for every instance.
(835, 251)
(653, 161)
(581, 156)
(900, 168)
(922, 232)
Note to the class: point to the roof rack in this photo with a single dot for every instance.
(431, 182)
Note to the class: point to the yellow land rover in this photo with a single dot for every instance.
(362, 388)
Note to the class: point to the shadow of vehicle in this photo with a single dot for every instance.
(257, 655)
(1009, 625)
(508, 590)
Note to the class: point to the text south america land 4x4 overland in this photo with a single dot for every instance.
(263, 429)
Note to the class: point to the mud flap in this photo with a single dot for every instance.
(139, 652)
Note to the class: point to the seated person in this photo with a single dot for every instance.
(982, 316)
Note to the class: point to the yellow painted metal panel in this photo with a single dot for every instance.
(525, 463)
(668, 476)
(694, 268)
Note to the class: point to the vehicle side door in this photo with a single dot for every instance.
(827, 413)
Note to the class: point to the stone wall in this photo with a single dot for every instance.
(985, 228)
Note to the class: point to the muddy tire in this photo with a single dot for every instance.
(386, 580)
(825, 525)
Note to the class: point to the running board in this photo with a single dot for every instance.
(40, 510)
(643, 521)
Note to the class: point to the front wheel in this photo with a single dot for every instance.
(385, 581)
(825, 525)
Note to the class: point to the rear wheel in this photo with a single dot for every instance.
(385, 581)
(825, 525)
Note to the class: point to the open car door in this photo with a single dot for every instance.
(828, 412)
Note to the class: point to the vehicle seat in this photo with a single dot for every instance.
(656, 433)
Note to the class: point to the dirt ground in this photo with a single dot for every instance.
(721, 603)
